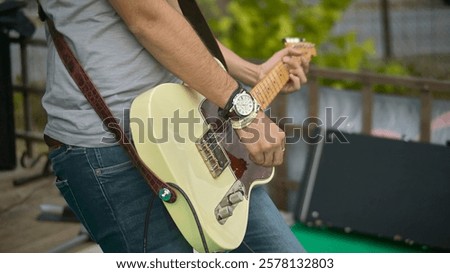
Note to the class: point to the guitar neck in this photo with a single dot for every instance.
(268, 88)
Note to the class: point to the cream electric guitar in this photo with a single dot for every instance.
(178, 135)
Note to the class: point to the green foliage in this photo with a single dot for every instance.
(254, 29)
(391, 68)
(345, 52)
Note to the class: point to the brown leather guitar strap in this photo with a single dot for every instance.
(84, 83)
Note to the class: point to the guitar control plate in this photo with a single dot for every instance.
(235, 195)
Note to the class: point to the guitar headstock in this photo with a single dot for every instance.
(308, 48)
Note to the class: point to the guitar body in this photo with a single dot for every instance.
(178, 136)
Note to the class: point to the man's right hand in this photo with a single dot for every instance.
(264, 140)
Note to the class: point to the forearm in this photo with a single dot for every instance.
(171, 40)
(245, 71)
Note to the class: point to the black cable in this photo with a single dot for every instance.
(194, 213)
(197, 221)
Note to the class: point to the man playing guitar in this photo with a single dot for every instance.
(127, 47)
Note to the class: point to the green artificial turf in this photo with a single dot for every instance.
(322, 240)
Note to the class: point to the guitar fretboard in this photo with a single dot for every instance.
(268, 88)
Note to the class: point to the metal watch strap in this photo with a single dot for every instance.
(243, 122)
(84, 83)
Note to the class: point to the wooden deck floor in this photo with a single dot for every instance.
(20, 207)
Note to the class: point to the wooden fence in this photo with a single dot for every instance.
(424, 88)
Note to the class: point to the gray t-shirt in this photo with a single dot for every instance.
(117, 64)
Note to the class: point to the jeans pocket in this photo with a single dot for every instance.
(64, 187)
(114, 169)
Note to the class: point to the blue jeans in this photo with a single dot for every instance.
(113, 201)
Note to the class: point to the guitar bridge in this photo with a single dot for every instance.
(212, 153)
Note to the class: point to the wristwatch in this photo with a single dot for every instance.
(241, 105)
(241, 108)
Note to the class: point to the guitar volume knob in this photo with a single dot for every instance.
(236, 197)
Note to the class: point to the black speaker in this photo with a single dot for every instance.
(7, 135)
(381, 187)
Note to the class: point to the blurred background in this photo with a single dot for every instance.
(380, 82)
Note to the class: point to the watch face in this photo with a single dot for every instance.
(244, 104)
